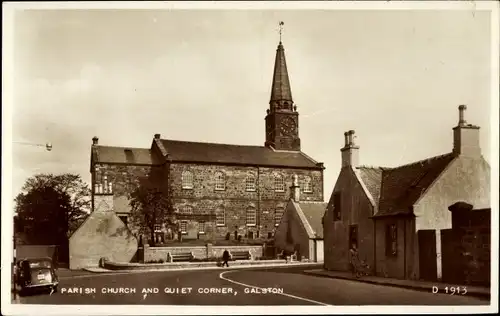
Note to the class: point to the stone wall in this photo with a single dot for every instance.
(471, 231)
(199, 252)
(235, 199)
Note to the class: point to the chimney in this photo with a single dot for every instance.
(157, 136)
(295, 188)
(95, 140)
(350, 152)
(465, 136)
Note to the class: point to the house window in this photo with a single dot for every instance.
(220, 181)
(157, 228)
(391, 240)
(201, 227)
(307, 185)
(279, 184)
(353, 236)
(187, 180)
(220, 216)
(250, 183)
(278, 214)
(183, 227)
(337, 210)
(251, 216)
(124, 219)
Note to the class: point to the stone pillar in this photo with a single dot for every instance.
(439, 266)
(209, 248)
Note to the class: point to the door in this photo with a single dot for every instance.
(319, 251)
(427, 255)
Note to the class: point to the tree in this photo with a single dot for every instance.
(50, 207)
(151, 203)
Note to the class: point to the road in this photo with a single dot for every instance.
(241, 287)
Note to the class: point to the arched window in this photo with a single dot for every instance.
(220, 181)
(187, 180)
(251, 216)
(278, 214)
(250, 183)
(279, 183)
(220, 216)
(307, 185)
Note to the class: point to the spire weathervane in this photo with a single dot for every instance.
(281, 23)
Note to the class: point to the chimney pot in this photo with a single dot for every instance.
(95, 140)
(346, 137)
(157, 136)
(461, 115)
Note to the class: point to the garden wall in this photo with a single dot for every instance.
(199, 252)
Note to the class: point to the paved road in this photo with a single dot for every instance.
(241, 288)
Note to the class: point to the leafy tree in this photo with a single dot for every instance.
(151, 203)
(50, 207)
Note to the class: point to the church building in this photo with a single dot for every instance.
(217, 189)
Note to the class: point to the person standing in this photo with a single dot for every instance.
(225, 258)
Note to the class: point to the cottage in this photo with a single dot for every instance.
(395, 216)
(301, 230)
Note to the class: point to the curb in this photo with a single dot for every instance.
(405, 286)
(255, 266)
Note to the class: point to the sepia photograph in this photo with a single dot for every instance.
(331, 157)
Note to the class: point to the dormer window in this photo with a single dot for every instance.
(279, 183)
(220, 181)
(187, 180)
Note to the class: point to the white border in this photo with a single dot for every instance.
(7, 203)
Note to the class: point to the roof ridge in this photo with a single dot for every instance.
(371, 167)
(211, 143)
(313, 202)
(422, 161)
(122, 147)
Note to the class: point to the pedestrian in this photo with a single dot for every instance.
(225, 258)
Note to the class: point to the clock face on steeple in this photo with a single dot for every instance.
(287, 127)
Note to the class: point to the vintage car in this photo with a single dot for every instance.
(35, 274)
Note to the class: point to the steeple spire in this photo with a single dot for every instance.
(281, 93)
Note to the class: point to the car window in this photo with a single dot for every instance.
(40, 264)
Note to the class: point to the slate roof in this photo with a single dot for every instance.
(126, 155)
(235, 154)
(314, 212)
(395, 190)
(281, 83)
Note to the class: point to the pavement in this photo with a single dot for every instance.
(452, 289)
(283, 286)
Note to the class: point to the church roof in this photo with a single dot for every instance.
(125, 155)
(313, 212)
(281, 82)
(184, 151)
(395, 190)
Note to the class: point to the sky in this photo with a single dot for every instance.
(395, 77)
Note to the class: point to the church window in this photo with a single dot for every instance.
(187, 180)
(251, 215)
(220, 181)
(307, 185)
(250, 183)
(186, 209)
(279, 183)
(220, 216)
(278, 214)
(201, 227)
(183, 227)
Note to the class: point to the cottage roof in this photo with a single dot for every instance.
(395, 190)
(184, 151)
(313, 213)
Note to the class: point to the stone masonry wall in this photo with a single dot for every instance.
(235, 199)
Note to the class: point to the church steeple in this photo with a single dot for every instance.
(281, 92)
(282, 120)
